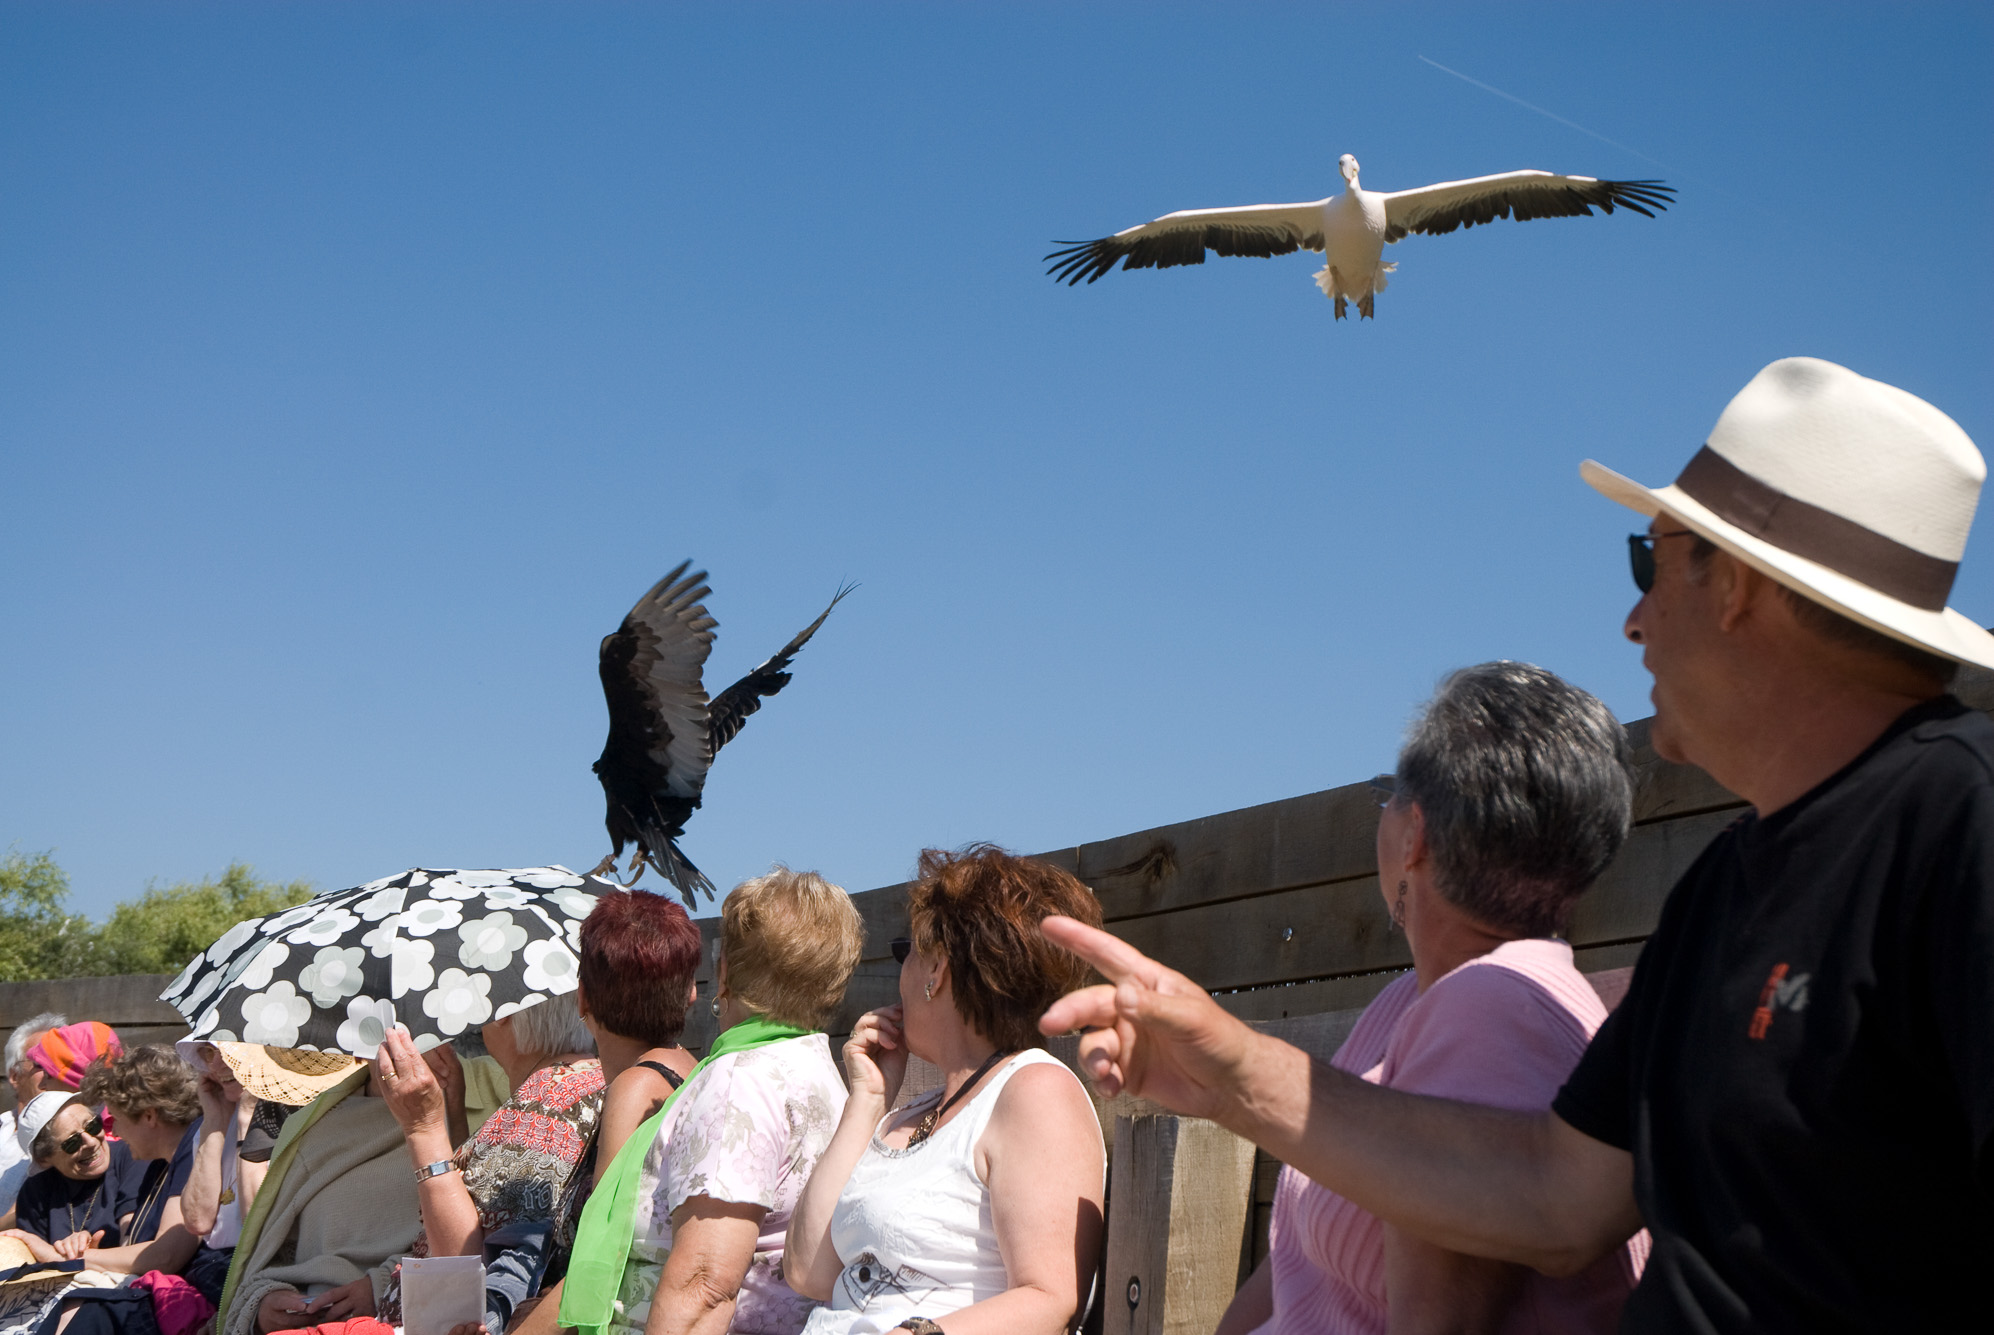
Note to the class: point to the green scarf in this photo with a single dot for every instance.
(602, 1240)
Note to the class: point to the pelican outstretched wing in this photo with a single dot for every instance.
(733, 705)
(1184, 237)
(1523, 195)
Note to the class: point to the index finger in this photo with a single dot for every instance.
(1116, 959)
(1089, 1008)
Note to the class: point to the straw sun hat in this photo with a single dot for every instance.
(1848, 491)
(15, 1256)
(293, 1076)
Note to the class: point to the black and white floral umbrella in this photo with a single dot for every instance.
(438, 952)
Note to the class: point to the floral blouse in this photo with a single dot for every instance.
(520, 1159)
(748, 1129)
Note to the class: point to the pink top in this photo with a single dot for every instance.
(1504, 1029)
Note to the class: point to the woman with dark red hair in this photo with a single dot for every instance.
(639, 952)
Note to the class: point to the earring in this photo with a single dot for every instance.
(716, 1008)
(929, 990)
(1398, 908)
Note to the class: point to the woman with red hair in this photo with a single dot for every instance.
(639, 952)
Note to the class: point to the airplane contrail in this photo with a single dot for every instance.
(1531, 106)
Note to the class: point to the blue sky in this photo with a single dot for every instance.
(361, 365)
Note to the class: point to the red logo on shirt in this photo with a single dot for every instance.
(1778, 991)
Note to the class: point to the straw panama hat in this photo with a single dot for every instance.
(14, 1255)
(1853, 493)
(293, 1076)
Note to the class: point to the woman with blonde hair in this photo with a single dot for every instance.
(976, 1208)
(685, 1231)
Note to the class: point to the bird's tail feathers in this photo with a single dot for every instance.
(677, 868)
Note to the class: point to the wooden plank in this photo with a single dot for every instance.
(1663, 790)
(1306, 840)
(1626, 902)
(1327, 931)
(1291, 935)
(1182, 1191)
(129, 999)
(1282, 1000)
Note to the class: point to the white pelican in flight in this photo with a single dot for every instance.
(1351, 229)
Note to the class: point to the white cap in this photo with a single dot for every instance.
(36, 1115)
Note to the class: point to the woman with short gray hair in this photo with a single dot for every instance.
(1512, 795)
(511, 1173)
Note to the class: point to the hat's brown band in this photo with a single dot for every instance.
(1822, 536)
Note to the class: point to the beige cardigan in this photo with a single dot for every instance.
(346, 1200)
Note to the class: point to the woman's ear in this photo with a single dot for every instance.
(1412, 838)
(581, 1000)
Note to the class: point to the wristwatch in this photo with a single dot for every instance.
(920, 1325)
(437, 1169)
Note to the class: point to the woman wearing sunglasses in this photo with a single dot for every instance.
(88, 1188)
(977, 1207)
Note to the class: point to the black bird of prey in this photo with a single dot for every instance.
(1351, 229)
(663, 733)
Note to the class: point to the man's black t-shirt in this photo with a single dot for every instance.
(1803, 1067)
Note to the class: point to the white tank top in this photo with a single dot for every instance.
(228, 1218)
(913, 1226)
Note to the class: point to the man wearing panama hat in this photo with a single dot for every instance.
(1796, 1097)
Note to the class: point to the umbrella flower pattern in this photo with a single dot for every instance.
(231, 941)
(367, 1023)
(571, 901)
(274, 1016)
(333, 975)
(489, 942)
(379, 903)
(550, 967)
(438, 951)
(263, 966)
(431, 915)
(410, 968)
(325, 929)
(459, 1001)
(514, 1007)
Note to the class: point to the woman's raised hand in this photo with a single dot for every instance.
(408, 1085)
(876, 1055)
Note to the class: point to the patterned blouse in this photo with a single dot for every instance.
(520, 1159)
(748, 1129)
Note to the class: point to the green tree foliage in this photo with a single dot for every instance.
(164, 928)
(156, 933)
(36, 934)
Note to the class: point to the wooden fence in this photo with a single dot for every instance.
(1276, 909)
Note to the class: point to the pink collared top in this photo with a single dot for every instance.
(1504, 1029)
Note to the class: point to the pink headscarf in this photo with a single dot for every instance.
(64, 1054)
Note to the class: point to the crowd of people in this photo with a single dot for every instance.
(616, 1182)
(1785, 1126)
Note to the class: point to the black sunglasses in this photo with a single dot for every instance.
(1384, 788)
(92, 1128)
(901, 948)
(1641, 555)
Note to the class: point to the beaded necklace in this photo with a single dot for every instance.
(926, 1126)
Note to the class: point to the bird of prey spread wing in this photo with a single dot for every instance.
(663, 732)
(1352, 228)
